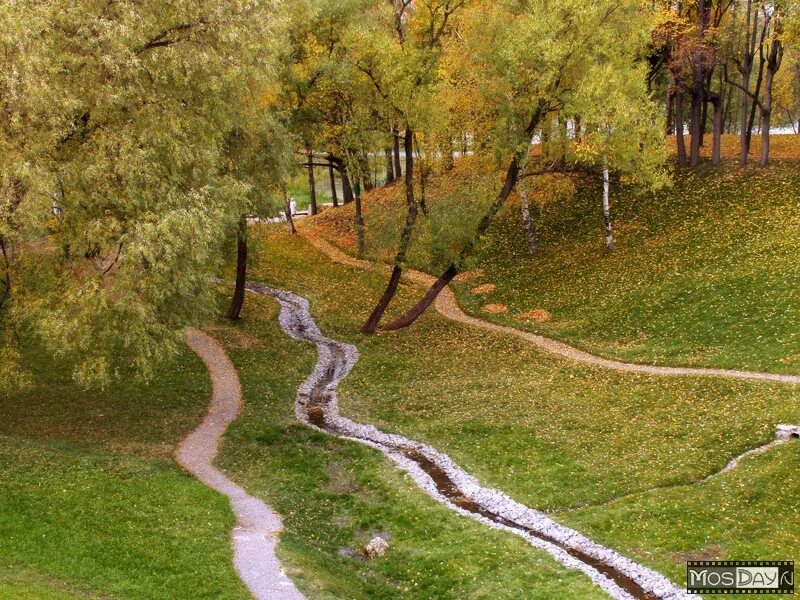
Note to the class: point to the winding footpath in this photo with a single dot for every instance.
(447, 305)
(441, 478)
(257, 526)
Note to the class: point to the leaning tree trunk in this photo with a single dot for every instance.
(607, 209)
(332, 177)
(237, 301)
(312, 184)
(527, 225)
(412, 212)
(512, 176)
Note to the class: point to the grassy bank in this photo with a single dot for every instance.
(92, 505)
(705, 272)
(553, 435)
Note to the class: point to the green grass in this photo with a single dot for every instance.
(335, 495)
(552, 434)
(705, 273)
(92, 504)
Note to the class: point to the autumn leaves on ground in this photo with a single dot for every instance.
(615, 175)
(560, 437)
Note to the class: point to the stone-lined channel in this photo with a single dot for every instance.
(438, 475)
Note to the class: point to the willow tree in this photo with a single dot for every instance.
(532, 59)
(114, 193)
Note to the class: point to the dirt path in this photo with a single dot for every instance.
(441, 478)
(447, 306)
(257, 526)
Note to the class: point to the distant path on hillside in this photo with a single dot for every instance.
(435, 473)
(447, 305)
(257, 526)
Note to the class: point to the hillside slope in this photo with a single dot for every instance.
(705, 272)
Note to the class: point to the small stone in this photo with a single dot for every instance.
(376, 547)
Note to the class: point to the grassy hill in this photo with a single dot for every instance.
(706, 272)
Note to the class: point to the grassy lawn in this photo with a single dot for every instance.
(88, 481)
(554, 435)
(92, 505)
(705, 273)
(335, 495)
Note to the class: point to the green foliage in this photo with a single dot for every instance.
(115, 191)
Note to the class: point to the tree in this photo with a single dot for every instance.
(401, 57)
(114, 195)
(532, 60)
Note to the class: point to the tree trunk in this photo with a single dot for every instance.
(773, 64)
(681, 140)
(512, 174)
(237, 301)
(746, 69)
(366, 176)
(671, 113)
(412, 213)
(389, 166)
(694, 127)
(347, 188)
(359, 220)
(312, 184)
(287, 209)
(607, 210)
(527, 225)
(332, 176)
(754, 105)
(716, 143)
(398, 171)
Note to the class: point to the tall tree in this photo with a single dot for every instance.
(533, 59)
(114, 192)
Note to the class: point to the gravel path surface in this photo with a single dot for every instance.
(437, 474)
(447, 305)
(257, 526)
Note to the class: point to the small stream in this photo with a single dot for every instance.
(437, 474)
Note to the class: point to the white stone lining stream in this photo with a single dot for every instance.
(437, 474)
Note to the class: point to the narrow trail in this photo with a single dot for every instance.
(732, 464)
(257, 526)
(441, 478)
(447, 305)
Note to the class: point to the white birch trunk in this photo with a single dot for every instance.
(530, 234)
(607, 208)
